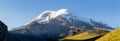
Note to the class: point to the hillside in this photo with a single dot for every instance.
(112, 36)
(3, 31)
(89, 35)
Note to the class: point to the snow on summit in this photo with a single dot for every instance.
(49, 14)
(46, 15)
(66, 17)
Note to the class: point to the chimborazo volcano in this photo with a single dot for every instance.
(54, 25)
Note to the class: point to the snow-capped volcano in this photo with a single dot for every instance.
(46, 16)
(57, 24)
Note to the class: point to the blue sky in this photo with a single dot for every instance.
(18, 12)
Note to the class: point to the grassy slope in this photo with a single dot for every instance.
(92, 39)
(112, 36)
(87, 35)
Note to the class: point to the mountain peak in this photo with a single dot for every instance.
(49, 14)
(46, 15)
(63, 16)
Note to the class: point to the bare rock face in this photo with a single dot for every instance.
(3, 31)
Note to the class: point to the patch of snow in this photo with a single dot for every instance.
(48, 15)
(51, 14)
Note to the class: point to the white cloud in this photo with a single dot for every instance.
(58, 13)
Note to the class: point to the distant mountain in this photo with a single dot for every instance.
(112, 36)
(57, 24)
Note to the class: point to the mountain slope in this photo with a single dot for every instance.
(57, 24)
(112, 36)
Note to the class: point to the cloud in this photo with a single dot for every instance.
(58, 13)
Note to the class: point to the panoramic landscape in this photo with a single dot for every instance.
(59, 20)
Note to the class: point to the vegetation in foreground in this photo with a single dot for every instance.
(90, 35)
(112, 36)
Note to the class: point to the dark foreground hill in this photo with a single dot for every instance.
(3, 31)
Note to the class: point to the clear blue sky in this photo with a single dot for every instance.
(18, 12)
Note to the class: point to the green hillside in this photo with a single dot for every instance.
(112, 36)
(92, 34)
